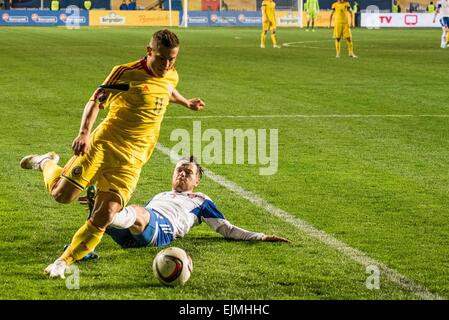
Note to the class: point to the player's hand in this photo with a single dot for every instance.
(273, 238)
(81, 144)
(196, 104)
(56, 269)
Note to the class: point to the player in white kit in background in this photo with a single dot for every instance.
(443, 10)
(170, 215)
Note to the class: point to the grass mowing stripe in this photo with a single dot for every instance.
(354, 254)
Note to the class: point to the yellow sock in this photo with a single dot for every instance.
(84, 241)
(273, 39)
(337, 47)
(51, 172)
(350, 47)
(263, 37)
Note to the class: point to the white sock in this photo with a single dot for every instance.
(443, 38)
(125, 218)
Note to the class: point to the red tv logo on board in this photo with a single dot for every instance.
(410, 19)
(385, 19)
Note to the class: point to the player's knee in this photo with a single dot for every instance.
(104, 214)
(142, 219)
(61, 196)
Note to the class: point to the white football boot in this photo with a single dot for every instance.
(56, 269)
(35, 162)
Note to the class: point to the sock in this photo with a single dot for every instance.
(125, 218)
(313, 24)
(84, 241)
(350, 47)
(52, 173)
(337, 47)
(263, 37)
(443, 38)
(273, 39)
(308, 23)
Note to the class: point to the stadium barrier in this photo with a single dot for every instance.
(43, 18)
(285, 18)
(398, 20)
(225, 18)
(133, 18)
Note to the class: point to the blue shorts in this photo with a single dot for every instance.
(444, 22)
(157, 233)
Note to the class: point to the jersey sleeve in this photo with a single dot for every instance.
(333, 6)
(216, 220)
(111, 86)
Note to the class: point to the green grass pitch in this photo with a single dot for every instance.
(378, 181)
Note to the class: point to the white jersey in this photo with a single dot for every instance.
(186, 210)
(443, 7)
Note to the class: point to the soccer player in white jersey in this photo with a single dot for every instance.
(443, 10)
(170, 215)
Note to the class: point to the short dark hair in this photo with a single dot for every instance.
(193, 160)
(165, 38)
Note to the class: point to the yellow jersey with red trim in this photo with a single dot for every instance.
(268, 10)
(341, 11)
(137, 102)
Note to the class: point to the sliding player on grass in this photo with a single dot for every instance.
(340, 9)
(170, 215)
(112, 156)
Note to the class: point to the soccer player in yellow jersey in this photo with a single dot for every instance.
(268, 22)
(340, 9)
(112, 156)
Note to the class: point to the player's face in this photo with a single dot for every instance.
(185, 177)
(161, 59)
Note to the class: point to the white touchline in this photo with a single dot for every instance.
(354, 254)
(311, 116)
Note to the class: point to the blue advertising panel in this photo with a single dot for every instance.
(225, 18)
(46, 18)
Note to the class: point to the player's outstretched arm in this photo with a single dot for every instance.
(195, 104)
(330, 19)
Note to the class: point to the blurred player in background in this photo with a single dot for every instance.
(172, 214)
(443, 10)
(268, 22)
(113, 155)
(312, 8)
(341, 9)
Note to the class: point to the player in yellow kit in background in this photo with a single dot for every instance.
(341, 8)
(268, 22)
(112, 156)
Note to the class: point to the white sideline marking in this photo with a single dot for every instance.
(354, 254)
(311, 116)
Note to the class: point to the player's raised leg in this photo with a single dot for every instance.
(59, 189)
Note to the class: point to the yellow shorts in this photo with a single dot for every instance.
(342, 30)
(104, 166)
(269, 25)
